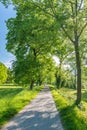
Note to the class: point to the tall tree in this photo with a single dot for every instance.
(67, 17)
(76, 16)
(71, 18)
(27, 39)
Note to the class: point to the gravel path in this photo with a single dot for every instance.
(40, 114)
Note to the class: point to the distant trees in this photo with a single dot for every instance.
(10, 78)
(6, 74)
(3, 73)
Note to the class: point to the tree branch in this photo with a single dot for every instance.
(80, 5)
(67, 35)
(43, 9)
(52, 9)
(82, 30)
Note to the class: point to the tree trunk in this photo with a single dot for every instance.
(78, 66)
(39, 81)
(60, 74)
(31, 85)
(57, 80)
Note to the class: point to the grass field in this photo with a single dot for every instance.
(13, 99)
(73, 117)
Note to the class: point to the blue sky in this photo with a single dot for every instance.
(5, 14)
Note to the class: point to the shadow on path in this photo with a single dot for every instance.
(40, 114)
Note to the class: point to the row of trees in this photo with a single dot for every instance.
(43, 28)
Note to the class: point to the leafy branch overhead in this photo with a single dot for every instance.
(39, 26)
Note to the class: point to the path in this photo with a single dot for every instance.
(40, 114)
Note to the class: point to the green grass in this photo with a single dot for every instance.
(72, 117)
(13, 99)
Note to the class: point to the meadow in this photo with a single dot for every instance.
(13, 99)
(73, 117)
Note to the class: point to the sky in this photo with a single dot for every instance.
(5, 14)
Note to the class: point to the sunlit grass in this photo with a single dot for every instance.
(13, 99)
(73, 117)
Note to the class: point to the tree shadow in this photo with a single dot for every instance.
(9, 92)
(10, 112)
(41, 114)
(71, 120)
(34, 120)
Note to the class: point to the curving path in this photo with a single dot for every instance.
(40, 114)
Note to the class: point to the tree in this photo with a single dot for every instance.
(29, 47)
(69, 15)
(30, 70)
(62, 51)
(3, 73)
(47, 69)
(75, 14)
(61, 16)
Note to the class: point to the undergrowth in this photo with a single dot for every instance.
(71, 116)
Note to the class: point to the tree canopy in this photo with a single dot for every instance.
(48, 27)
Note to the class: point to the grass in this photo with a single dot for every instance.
(13, 99)
(72, 117)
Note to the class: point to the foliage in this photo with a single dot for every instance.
(42, 25)
(6, 2)
(32, 52)
(38, 71)
(65, 78)
(3, 73)
(9, 76)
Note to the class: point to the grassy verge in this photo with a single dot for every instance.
(13, 99)
(72, 117)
